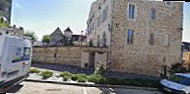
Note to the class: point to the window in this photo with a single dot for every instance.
(105, 14)
(21, 55)
(55, 55)
(168, 3)
(151, 40)
(130, 35)
(131, 11)
(98, 40)
(153, 14)
(26, 53)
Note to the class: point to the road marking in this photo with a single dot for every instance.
(84, 90)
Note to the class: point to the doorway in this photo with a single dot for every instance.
(91, 60)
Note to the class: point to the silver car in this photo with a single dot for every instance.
(179, 84)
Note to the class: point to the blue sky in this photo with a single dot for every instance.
(44, 16)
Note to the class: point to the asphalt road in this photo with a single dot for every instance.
(46, 88)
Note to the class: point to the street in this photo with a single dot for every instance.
(46, 88)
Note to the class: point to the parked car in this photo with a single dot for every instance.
(15, 60)
(178, 84)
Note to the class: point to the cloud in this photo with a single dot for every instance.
(17, 5)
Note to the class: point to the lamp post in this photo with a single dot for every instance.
(81, 38)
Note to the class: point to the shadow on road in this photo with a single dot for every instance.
(15, 89)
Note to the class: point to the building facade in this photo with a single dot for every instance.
(144, 37)
(99, 23)
(5, 9)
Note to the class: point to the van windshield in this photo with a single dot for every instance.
(180, 80)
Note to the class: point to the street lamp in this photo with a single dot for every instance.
(81, 38)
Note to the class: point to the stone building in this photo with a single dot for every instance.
(5, 9)
(144, 37)
(57, 38)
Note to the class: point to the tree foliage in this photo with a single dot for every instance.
(46, 39)
(3, 23)
(31, 35)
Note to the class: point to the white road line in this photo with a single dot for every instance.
(84, 90)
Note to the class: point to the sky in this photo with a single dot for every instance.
(44, 16)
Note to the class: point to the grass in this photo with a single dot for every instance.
(47, 74)
(34, 70)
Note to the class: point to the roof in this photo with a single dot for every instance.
(68, 30)
(57, 30)
(77, 37)
(186, 75)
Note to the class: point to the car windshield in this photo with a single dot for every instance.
(181, 80)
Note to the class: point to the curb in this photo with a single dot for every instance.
(94, 85)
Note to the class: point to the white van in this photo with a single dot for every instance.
(15, 59)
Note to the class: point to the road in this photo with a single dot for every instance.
(46, 88)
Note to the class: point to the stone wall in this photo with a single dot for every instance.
(101, 60)
(141, 57)
(76, 56)
(58, 55)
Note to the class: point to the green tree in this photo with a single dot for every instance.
(46, 39)
(31, 35)
(3, 23)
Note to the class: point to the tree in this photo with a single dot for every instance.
(46, 39)
(3, 23)
(31, 35)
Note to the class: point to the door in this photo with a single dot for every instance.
(91, 60)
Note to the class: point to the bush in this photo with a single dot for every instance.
(66, 78)
(47, 74)
(178, 68)
(34, 70)
(81, 79)
(135, 82)
(63, 74)
(98, 79)
(100, 70)
(75, 77)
